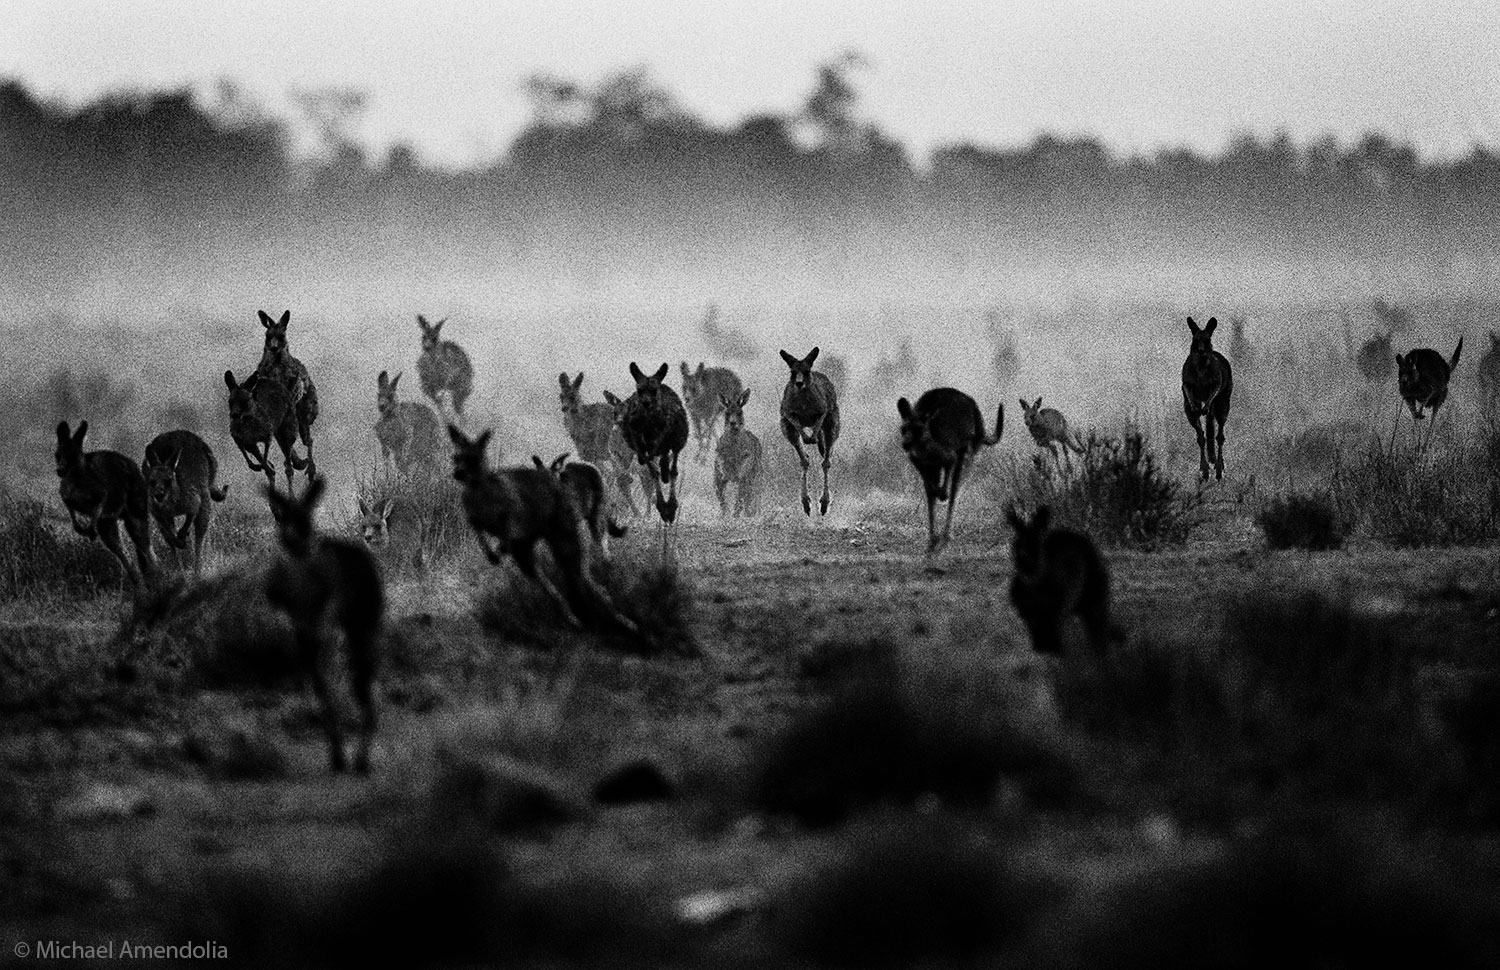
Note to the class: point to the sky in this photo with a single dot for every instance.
(447, 78)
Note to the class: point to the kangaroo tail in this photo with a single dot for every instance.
(616, 530)
(1453, 361)
(999, 429)
(218, 494)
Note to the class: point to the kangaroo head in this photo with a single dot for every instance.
(294, 516)
(1027, 547)
(385, 394)
(801, 374)
(241, 396)
(1202, 348)
(613, 400)
(914, 428)
(275, 332)
(1030, 412)
(567, 392)
(375, 522)
(431, 332)
(734, 409)
(468, 454)
(648, 386)
(161, 476)
(69, 452)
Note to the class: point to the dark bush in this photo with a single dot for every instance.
(1302, 521)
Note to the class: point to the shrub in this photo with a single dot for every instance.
(1410, 500)
(40, 555)
(427, 523)
(1117, 493)
(1307, 520)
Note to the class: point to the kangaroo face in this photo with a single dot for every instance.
(431, 332)
(648, 386)
(275, 332)
(294, 517)
(1031, 413)
(618, 405)
(468, 455)
(375, 524)
(734, 411)
(161, 479)
(567, 393)
(801, 375)
(69, 453)
(1027, 547)
(385, 395)
(1201, 352)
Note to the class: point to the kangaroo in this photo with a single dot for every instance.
(736, 457)
(810, 415)
(1058, 574)
(443, 368)
(320, 578)
(1374, 358)
(1207, 384)
(181, 472)
(1489, 370)
(1422, 378)
(408, 431)
(702, 390)
(277, 363)
(655, 426)
(589, 425)
(584, 486)
(939, 434)
(101, 489)
(260, 410)
(519, 507)
(622, 457)
(1049, 429)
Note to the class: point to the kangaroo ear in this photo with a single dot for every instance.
(537, 461)
(265, 319)
(563, 382)
(1024, 405)
(173, 459)
(1213, 324)
(83, 429)
(483, 440)
(661, 372)
(1038, 403)
(790, 360)
(903, 408)
(363, 508)
(456, 435)
(744, 396)
(686, 371)
(383, 380)
(1015, 520)
(63, 432)
(386, 508)
(422, 322)
(578, 381)
(286, 318)
(808, 360)
(229, 379)
(613, 401)
(636, 373)
(1192, 325)
(396, 378)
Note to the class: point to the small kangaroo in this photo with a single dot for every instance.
(181, 475)
(320, 578)
(810, 416)
(1374, 358)
(408, 431)
(259, 411)
(443, 368)
(622, 457)
(1422, 378)
(589, 425)
(583, 484)
(519, 507)
(277, 363)
(1207, 385)
(939, 434)
(702, 390)
(1049, 429)
(101, 489)
(737, 457)
(655, 426)
(1058, 574)
(375, 523)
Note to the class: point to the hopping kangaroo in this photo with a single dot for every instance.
(736, 457)
(259, 411)
(583, 484)
(1058, 574)
(181, 472)
(939, 434)
(443, 368)
(655, 426)
(408, 431)
(622, 457)
(1049, 429)
(1207, 383)
(519, 507)
(702, 390)
(321, 578)
(277, 363)
(810, 415)
(1422, 378)
(101, 489)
